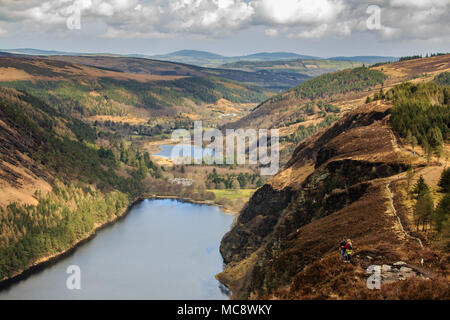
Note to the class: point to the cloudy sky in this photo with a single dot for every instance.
(230, 27)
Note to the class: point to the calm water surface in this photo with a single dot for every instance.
(192, 151)
(163, 249)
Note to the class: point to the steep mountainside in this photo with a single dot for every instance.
(57, 185)
(348, 181)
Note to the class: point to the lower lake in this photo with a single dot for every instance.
(163, 249)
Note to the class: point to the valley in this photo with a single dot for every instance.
(81, 136)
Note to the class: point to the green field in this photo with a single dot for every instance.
(232, 194)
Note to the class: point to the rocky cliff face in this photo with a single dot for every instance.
(334, 186)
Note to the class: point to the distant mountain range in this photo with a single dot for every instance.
(39, 52)
(209, 59)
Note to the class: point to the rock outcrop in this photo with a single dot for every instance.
(333, 187)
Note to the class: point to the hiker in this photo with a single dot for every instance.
(348, 250)
(342, 249)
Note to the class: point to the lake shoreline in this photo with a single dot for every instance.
(47, 261)
(204, 202)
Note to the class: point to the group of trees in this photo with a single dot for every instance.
(443, 79)
(421, 114)
(427, 215)
(162, 187)
(125, 129)
(322, 109)
(233, 181)
(419, 56)
(380, 95)
(304, 132)
(329, 84)
(60, 219)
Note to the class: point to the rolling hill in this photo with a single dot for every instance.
(275, 71)
(208, 59)
(316, 103)
(309, 67)
(272, 81)
(89, 86)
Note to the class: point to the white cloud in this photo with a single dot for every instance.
(314, 33)
(400, 19)
(271, 32)
(292, 12)
(421, 4)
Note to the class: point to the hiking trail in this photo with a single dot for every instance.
(391, 203)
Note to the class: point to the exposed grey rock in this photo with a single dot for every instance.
(385, 268)
(405, 270)
(396, 272)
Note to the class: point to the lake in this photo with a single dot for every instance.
(163, 249)
(190, 152)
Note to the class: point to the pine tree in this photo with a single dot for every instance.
(413, 142)
(444, 181)
(434, 137)
(442, 212)
(409, 178)
(423, 210)
(420, 188)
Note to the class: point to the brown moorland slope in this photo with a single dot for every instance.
(339, 183)
(128, 87)
(14, 68)
(20, 175)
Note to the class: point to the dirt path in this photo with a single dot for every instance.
(391, 203)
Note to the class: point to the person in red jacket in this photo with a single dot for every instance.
(348, 250)
(342, 248)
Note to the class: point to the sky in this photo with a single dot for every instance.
(230, 27)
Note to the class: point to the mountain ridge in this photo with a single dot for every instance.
(353, 180)
(206, 55)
